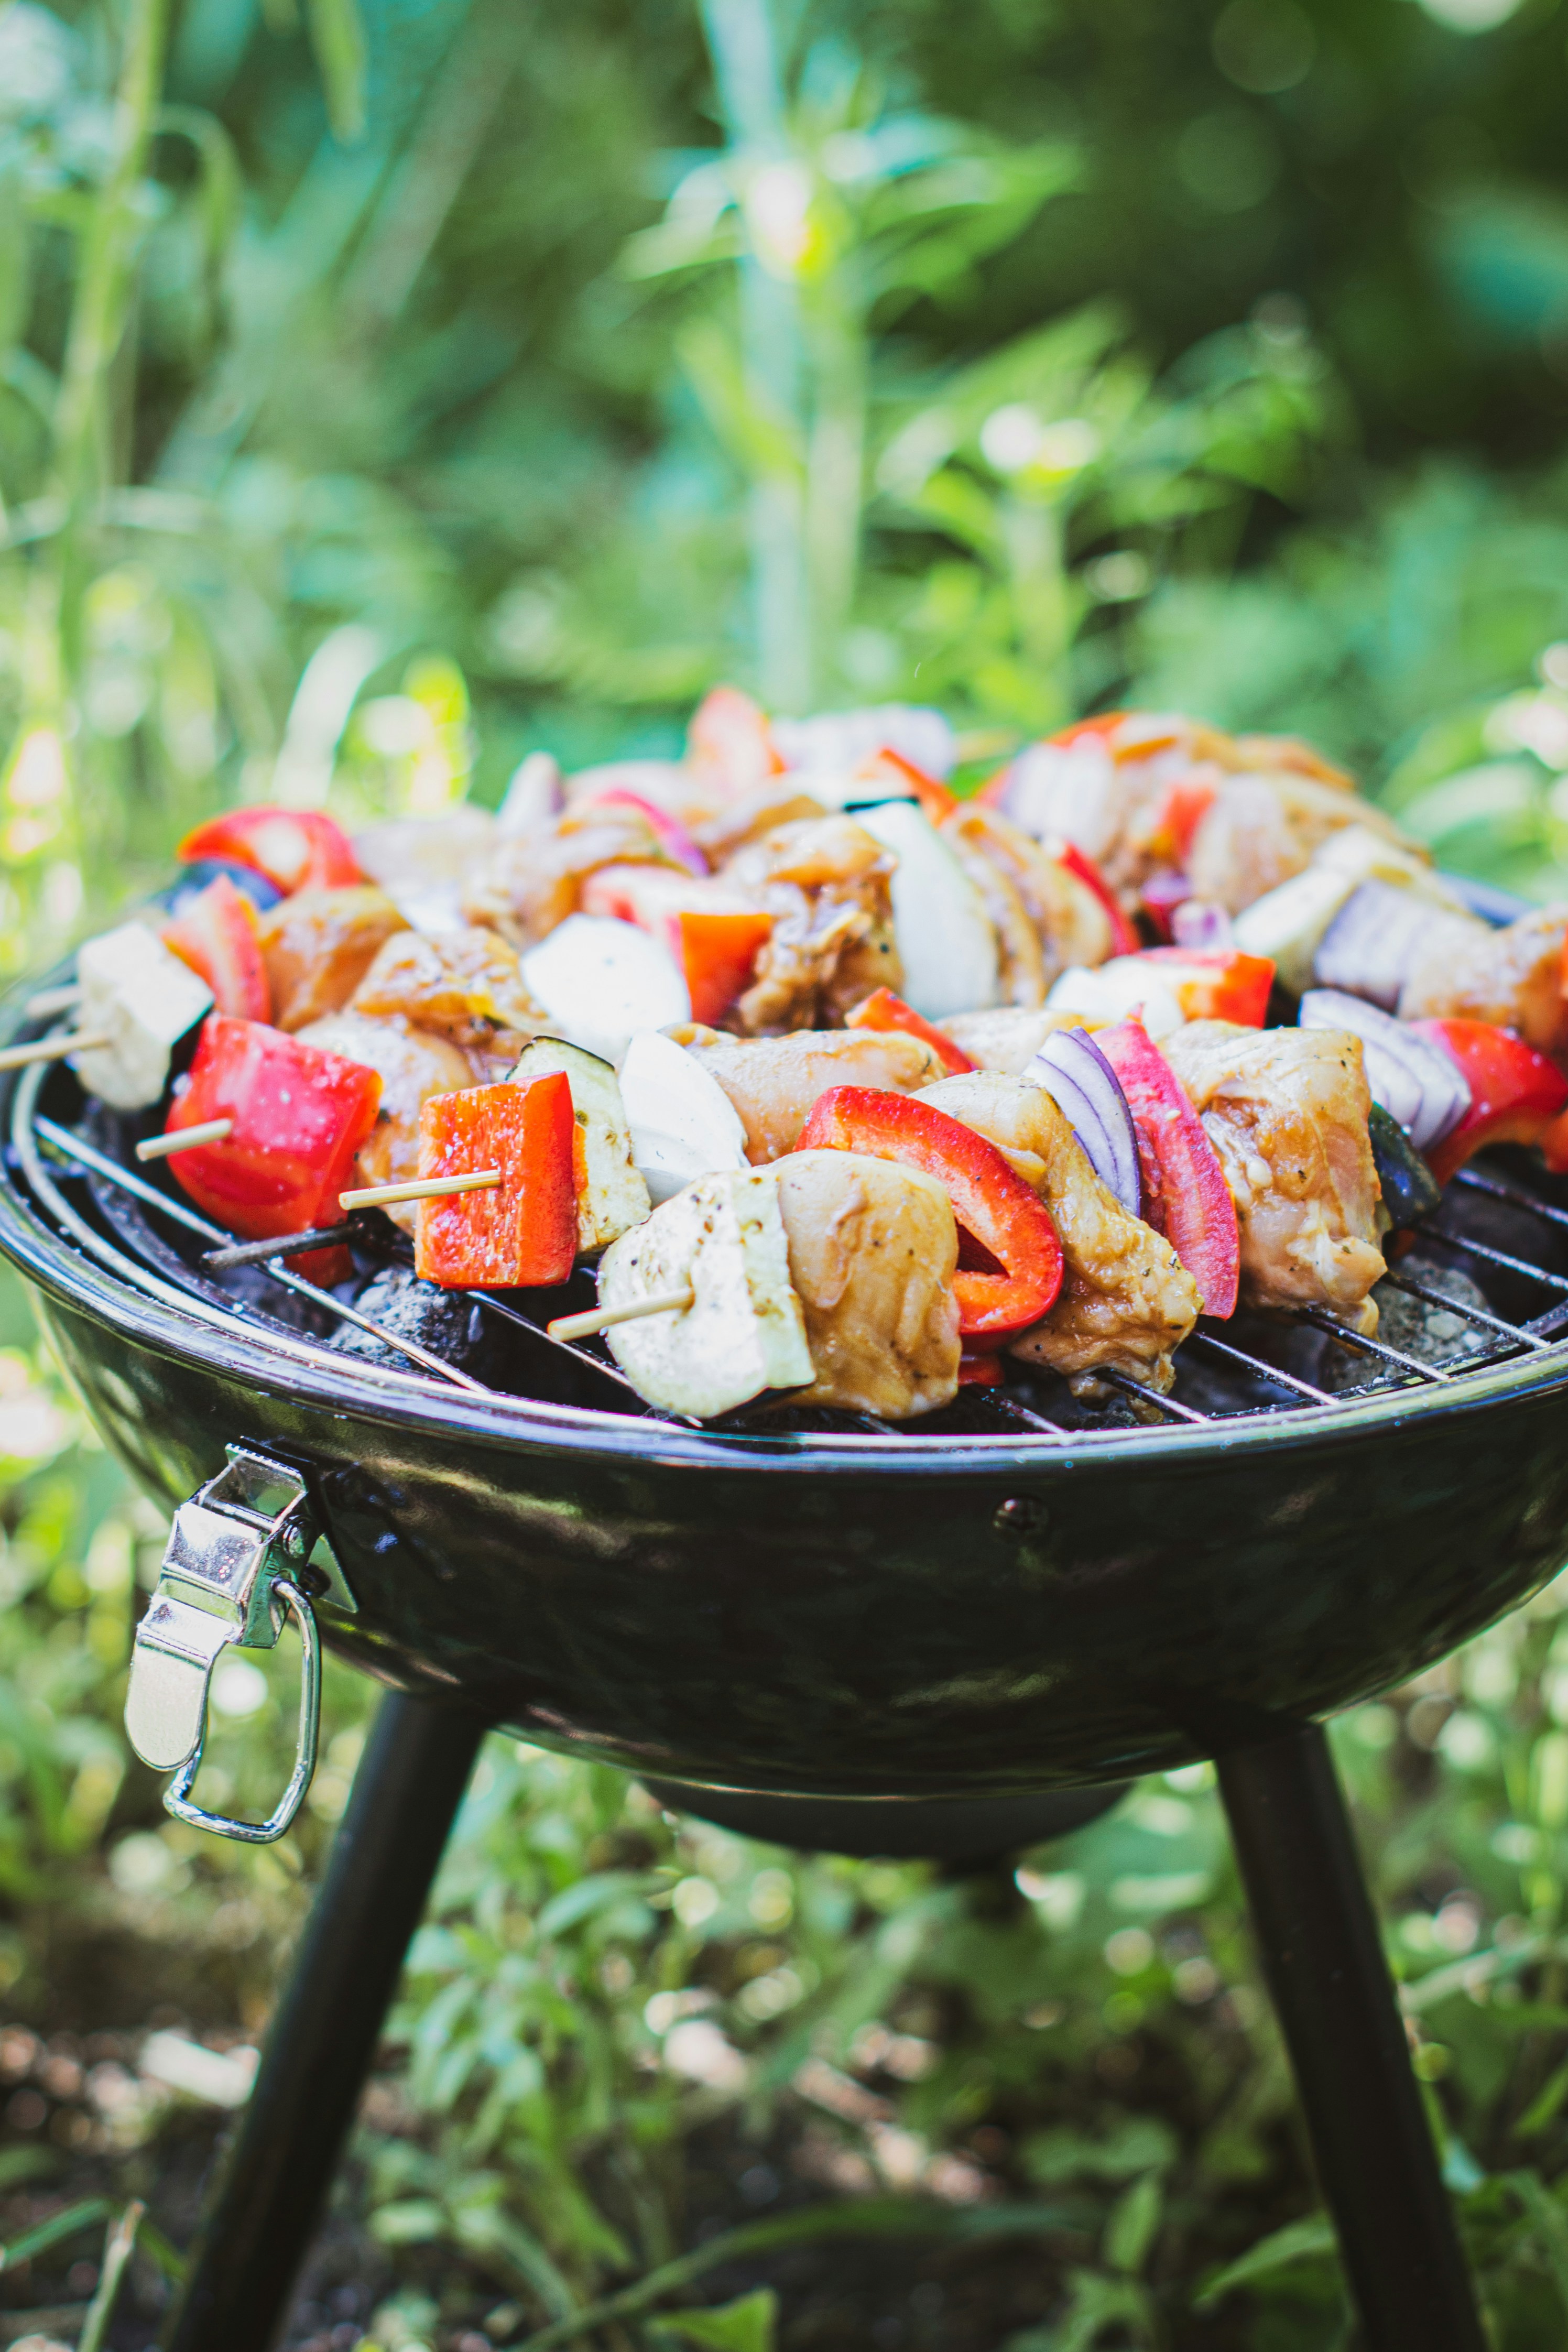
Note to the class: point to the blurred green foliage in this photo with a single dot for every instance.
(386, 392)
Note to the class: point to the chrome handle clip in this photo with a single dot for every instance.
(232, 1577)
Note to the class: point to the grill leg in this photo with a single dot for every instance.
(324, 2037)
(1318, 1940)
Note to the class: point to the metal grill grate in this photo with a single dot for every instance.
(1501, 1231)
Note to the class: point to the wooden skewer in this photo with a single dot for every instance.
(185, 1139)
(50, 1000)
(280, 1246)
(426, 1187)
(52, 1049)
(599, 1319)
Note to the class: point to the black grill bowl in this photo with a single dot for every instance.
(899, 1616)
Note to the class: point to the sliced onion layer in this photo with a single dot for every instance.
(1073, 1071)
(1414, 1080)
(1369, 947)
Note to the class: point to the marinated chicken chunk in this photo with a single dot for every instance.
(414, 1063)
(467, 986)
(1286, 1110)
(1260, 830)
(1068, 922)
(774, 1081)
(533, 880)
(825, 881)
(1127, 1302)
(1512, 977)
(319, 945)
(873, 1248)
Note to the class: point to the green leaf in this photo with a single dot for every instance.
(412, 2221)
(1308, 2240)
(1133, 2225)
(580, 1902)
(337, 37)
(749, 2324)
(58, 2227)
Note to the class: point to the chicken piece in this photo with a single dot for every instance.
(825, 881)
(1260, 830)
(319, 945)
(467, 986)
(873, 1248)
(739, 823)
(1127, 1302)
(414, 1063)
(1020, 955)
(722, 1240)
(533, 880)
(774, 1081)
(1286, 1110)
(420, 861)
(1006, 1038)
(1069, 920)
(1512, 977)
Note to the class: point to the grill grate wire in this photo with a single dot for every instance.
(999, 1408)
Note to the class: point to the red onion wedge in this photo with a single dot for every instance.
(1073, 1071)
(1369, 947)
(1414, 1079)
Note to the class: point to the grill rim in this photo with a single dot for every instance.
(204, 1339)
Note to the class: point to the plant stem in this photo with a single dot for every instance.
(101, 310)
(740, 36)
(117, 2252)
(1037, 560)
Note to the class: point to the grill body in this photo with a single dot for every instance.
(860, 1619)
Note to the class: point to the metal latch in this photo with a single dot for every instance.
(230, 1579)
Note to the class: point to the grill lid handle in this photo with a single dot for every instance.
(229, 1580)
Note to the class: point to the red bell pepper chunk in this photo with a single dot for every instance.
(1215, 983)
(730, 739)
(1104, 722)
(979, 1372)
(521, 1233)
(217, 935)
(1516, 1094)
(297, 849)
(1123, 938)
(883, 1010)
(718, 955)
(990, 1200)
(1185, 1196)
(886, 766)
(1168, 834)
(299, 1115)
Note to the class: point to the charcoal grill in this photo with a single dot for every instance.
(954, 1637)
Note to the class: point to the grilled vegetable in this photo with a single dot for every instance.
(883, 1010)
(682, 1123)
(1185, 1196)
(1409, 1075)
(521, 1233)
(611, 1195)
(298, 1115)
(991, 1203)
(216, 933)
(1084, 1087)
(666, 827)
(1215, 983)
(144, 999)
(946, 943)
(1112, 991)
(724, 1240)
(297, 849)
(712, 932)
(601, 982)
(1410, 1191)
(1515, 1092)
